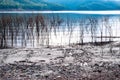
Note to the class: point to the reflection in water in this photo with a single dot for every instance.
(33, 30)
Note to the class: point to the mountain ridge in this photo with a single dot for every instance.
(58, 5)
(28, 5)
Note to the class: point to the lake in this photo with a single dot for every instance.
(38, 28)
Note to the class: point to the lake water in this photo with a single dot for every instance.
(75, 12)
(35, 28)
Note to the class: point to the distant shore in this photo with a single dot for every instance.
(115, 12)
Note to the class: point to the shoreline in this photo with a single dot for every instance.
(115, 12)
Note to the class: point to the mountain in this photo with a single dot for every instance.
(88, 4)
(28, 5)
(59, 5)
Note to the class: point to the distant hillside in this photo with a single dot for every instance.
(59, 5)
(28, 5)
(88, 4)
